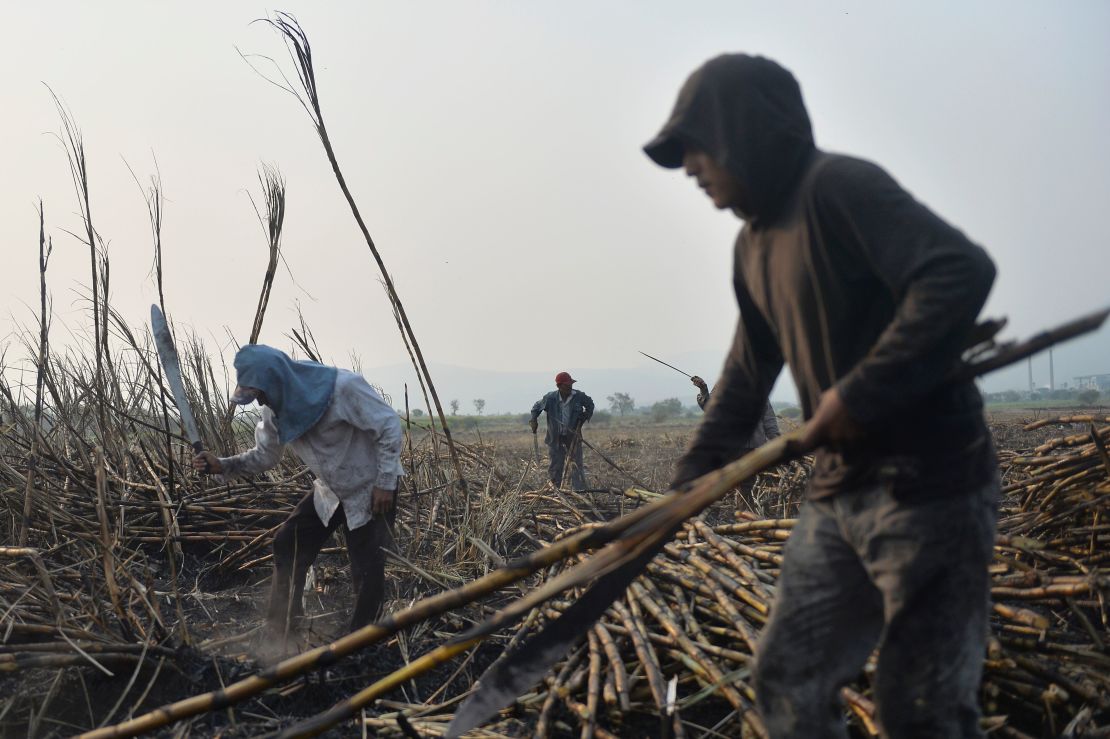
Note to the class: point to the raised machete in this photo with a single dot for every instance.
(171, 365)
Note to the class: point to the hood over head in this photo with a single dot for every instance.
(297, 391)
(747, 113)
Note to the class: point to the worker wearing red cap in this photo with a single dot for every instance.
(567, 409)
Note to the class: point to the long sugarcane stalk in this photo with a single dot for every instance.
(620, 675)
(301, 52)
(273, 197)
(45, 248)
(74, 147)
(410, 671)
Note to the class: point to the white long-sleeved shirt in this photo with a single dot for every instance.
(353, 448)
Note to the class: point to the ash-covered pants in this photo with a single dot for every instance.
(299, 540)
(862, 570)
(557, 454)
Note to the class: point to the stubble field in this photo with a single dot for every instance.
(139, 603)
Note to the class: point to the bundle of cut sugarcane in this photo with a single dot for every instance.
(691, 620)
(1049, 663)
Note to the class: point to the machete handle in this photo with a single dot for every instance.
(198, 447)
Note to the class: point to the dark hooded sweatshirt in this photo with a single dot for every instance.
(840, 273)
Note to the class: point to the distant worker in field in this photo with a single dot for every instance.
(351, 440)
(870, 298)
(567, 409)
(765, 430)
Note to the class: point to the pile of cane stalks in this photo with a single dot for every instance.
(673, 656)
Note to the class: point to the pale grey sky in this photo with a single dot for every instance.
(494, 148)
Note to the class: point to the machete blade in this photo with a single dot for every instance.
(171, 366)
(513, 674)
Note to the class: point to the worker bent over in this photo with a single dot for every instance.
(567, 409)
(351, 440)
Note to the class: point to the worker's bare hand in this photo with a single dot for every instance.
(831, 423)
(698, 382)
(533, 424)
(207, 462)
(382, 501)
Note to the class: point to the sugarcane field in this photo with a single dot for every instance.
(518, 370)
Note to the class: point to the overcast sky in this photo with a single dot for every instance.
(494, 148)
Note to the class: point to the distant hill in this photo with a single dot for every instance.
(648, 382)
(515, 392)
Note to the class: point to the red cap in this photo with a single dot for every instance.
(563, 378)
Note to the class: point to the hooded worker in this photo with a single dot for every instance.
(870, 298)
(567, 409)
(351, 440)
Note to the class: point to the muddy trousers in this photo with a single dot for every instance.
(861, 570)
(557, 454)
(300, 539)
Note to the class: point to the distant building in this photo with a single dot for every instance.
(1093, 382)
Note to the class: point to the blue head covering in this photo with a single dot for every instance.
(298, 392)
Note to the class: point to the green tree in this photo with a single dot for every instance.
(1088, 397)
(479, 405)
(621, 403)
(454, 407)
(666, 409)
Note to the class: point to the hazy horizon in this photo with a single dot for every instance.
(515, 391)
